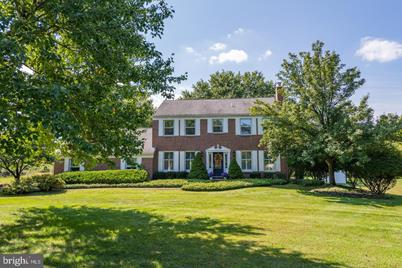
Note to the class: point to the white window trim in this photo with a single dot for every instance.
(253, 125)
(161, 127)
(183, 159)
(277, 163)
(123, 163)
(224, 125)
(254, 162)
(67, 165)
(161, 162)
(183, 127)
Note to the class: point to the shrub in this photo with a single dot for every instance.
(255, 175)
(104, 177)
(198, 170)
(224, 185)
(170, 175)
(24, 187)
(309, 183)
(380, 172)
(235, 171)
(164, 183)
(46, 183)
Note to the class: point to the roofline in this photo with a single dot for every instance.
(202, 115)
(221, 99)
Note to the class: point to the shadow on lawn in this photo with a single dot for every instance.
(389, 200)
(95, 237)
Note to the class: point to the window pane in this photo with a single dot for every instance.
(245, 126)
(168, 160)
(168, 127)
(269, 163)
(246, 160)
(190, 127)
(217, 125)
(189, 158)
(190, 123)
(169, 123)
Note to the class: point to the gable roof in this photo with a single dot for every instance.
(207, 107)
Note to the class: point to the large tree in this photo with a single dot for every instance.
(228, 84)
(317, 121)
(83, 70)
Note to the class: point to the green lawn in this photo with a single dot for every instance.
(255, 227)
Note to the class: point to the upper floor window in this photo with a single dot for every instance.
(168, 127)
(189, 126)
(246, 160)
(269, 163)
(168, 162)
(245, 126)
(217, 125)
(189, 159)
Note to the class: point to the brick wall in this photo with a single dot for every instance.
(58, 167)
(205, 140)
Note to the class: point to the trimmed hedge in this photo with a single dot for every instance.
(165, 183)
(229, 185)
(104, 176)
(170, 175)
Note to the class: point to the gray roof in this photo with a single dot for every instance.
(147, 136)
(209, 107)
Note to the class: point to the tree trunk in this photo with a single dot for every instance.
(331, 171)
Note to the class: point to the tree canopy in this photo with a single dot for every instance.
(228, 84)
(83, 70)
(317, 122)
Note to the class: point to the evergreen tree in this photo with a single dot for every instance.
(235, 170)
(198, 170)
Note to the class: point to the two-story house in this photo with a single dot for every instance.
(221, 129)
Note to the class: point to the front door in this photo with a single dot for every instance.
(218, 164)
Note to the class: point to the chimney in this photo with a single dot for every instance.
(278, 91)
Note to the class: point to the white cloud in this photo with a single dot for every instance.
(198, 56)
(189, 50)
(233, 55)
(378, 49)
(238, 31)
(266, 55)
(217, 46)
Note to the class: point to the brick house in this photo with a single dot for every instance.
(221, 129)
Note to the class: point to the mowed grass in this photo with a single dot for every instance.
(280, 226)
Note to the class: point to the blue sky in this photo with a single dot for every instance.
(207, 36)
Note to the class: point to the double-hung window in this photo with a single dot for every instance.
(245, 126)
(189, 125)
(217, 125)
(246, 160)
(168, 161)
(189, 159)
(168, 127)
(269, 163)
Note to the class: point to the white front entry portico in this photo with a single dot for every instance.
(217, 159)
